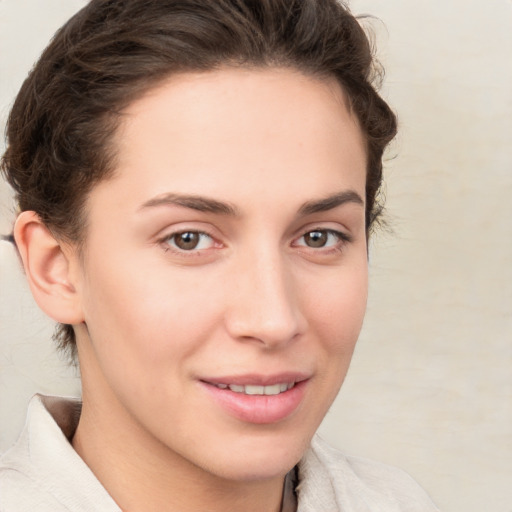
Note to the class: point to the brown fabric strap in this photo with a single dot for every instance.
(289, 503)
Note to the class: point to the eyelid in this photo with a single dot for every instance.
(331, 227)
(170, 229)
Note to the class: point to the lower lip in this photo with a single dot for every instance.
(258, 409)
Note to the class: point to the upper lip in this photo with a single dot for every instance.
(254, 379)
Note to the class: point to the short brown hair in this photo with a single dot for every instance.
(112, 51)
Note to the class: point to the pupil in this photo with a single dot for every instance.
(187, 241)
(316, 238)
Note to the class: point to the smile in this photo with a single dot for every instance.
(274, 389)
(258, 399)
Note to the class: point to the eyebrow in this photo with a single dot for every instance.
(205, 204)
(331, 202)
(199, 203)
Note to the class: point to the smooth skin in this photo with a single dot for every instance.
(229, 243)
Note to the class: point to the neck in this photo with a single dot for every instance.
(142, 474)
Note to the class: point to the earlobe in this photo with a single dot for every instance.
(48, 266)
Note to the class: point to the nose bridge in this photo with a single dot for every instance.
(265, 307)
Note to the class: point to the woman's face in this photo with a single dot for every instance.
(224, 279)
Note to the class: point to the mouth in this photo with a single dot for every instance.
(258, 399)
(272, 390)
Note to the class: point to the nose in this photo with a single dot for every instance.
(264, 306)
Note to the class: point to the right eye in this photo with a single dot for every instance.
(189, 241)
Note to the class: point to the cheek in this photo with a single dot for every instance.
(338, 307)
(338, 312)
(146, 317)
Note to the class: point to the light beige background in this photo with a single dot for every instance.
(430, 387)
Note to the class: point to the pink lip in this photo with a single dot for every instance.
(258, 409)
(254, 379)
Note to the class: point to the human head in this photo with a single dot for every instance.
(113, 51)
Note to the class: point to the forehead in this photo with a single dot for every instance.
(243, 131)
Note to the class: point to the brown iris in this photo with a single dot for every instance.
(316, 238)
(187, 240)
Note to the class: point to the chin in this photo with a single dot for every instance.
(261, 457)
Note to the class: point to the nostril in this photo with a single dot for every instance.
(271, 331)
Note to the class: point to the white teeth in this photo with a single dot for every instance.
(254, 390)
(274, 389)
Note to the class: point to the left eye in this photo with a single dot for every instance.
(190, 241)
(320, 238)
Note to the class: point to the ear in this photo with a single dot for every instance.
(51, 269)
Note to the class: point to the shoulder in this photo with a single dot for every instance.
(42, 471)
(340, 482)
(22, 489)
(21, 493)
